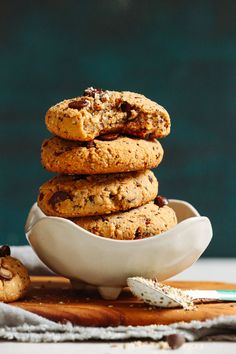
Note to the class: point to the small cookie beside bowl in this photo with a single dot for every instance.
(14, 277)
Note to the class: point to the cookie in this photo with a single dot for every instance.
(72, 196)
(100, 112)
(145, 221)
(14, 278)
(122, 154)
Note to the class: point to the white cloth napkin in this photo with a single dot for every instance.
(21, 325)
(31, 261)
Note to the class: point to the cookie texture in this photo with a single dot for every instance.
(145, 221)
(14, 279)
(122, 154)
(72, 196)
(101, 112)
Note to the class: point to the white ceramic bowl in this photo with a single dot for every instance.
(85, 258)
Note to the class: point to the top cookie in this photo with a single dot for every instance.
(100, 112)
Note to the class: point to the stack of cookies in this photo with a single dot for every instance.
(103, 148)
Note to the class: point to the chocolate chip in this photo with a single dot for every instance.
(45, 144)
(58, 197)
(149, 136)
(91, 198)
(131, 200)
(78, 104)
(150, 179)
(138, 234)
(126, 107)
(57, 153)
(161, 201)
(5, 251)
(41, 195)
(148, 221)
(108, 137)
(91, 91)
(175, 340)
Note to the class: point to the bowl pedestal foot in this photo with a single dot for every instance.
(109, 293)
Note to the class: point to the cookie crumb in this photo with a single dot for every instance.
(163, 345)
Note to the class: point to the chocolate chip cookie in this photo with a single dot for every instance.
(100, 112)
(145, 221)
(72, 196)
(14, 277)
(122, 154)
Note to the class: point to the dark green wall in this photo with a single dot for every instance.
(180, 53)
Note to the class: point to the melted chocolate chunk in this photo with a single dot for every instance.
(131, 200)
(138, 234)
(161, 201)
(126, 107)
(45, 144)
(41, 195)
(150, 136)
(150, 179)
(91, 91)
(108, 137)
(58, 153)
(91, 198)
(78, 104)
(58, 197)
(5, 251)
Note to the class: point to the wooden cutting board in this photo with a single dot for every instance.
(54, 299)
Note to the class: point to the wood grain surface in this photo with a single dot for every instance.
(54, 299)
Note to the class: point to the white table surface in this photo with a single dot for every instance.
(204, 269)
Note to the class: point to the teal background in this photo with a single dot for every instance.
(180, 53)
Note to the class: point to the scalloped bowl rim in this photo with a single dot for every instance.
(106, 239)
(189, 224)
